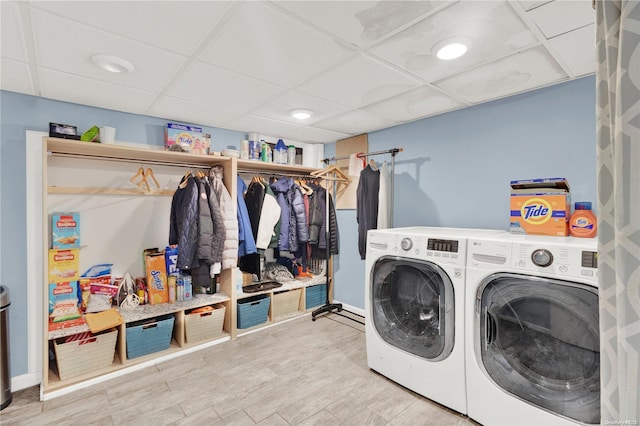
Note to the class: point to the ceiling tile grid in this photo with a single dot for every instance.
(360, 66)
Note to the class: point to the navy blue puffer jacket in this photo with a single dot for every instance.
(293, 217)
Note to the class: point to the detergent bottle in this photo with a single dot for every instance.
(583, 222)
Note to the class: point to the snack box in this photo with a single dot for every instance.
(186, 137)
(65, 230)
(171, 259)
(64, 265)
(156, 278)
(540, 206)
(62, 292)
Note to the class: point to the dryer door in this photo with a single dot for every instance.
(413, 306)
(539, 340)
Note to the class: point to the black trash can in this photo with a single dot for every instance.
(5, 357)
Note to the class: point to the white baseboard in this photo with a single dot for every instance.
(25, 381)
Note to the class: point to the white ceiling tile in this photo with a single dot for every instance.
(262, 42)
(264, 126)
(577, 49)
(359, 81)
(67, 46)
(213, 86)
(532, 4)
(492, 26)
(15, 77)
(309, 134)
(179, 26)
(359, 22)
(280, 108)
(526, 70)
(190, 112)
(80, 90)
(574, 13)
(12, 44)
(422, 102)
(355, 122)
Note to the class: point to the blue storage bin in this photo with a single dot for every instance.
(316, 295)
(149, 337)
(253, 310)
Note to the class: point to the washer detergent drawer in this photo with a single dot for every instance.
(539, 340)
(413, 306)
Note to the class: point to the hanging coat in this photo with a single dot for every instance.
(183, 222)
(227, 208)
(253, 198)
(367, 205)
(246, 242)
(269, 218)
(293, 221)
(211, 223)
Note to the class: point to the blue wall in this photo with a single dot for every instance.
(455, 168)
(454, 171)
(19, 113)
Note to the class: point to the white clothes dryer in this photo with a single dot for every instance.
(414, 309)
(532, 331)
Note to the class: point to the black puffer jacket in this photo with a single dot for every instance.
(183, 222)
(316, 218)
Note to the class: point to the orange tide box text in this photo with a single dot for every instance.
(64, 265)
(540, 206)
(156, 278)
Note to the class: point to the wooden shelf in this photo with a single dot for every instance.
(121, 152)
(249, 166)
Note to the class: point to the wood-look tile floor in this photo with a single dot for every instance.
(301, 372)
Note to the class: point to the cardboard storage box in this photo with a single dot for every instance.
(316, 295)
(149, 337)
(186, 137)
(204, 325)
(86, 355)
(286, 303)
(253, 310)
(540, 206)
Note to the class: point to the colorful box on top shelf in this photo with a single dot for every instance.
(183, 138)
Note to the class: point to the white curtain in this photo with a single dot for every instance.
(618, 146)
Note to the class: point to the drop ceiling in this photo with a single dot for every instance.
(361, 66)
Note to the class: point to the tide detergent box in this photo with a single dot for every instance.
(65, 230)
(179, 137)
(540, 206)
(156, 272)
(64, 265)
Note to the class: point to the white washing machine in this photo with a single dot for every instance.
(532, 331)
(414, 309)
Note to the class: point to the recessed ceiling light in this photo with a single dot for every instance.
(452, 48)
(301, 114)
(113, 64)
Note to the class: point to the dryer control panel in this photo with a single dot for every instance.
(562, 260)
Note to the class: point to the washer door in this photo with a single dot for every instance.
(413, 306)
(539, 340)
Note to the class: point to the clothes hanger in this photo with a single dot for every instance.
(373, 165)
(142, 182)
(327, 172)
(149, 173)
(185, 179)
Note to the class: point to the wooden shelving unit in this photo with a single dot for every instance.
(86, 152)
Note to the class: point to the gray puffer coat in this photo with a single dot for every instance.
(228, 210)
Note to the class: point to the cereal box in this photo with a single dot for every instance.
(179, 137)
(61, 293)
(156, 278)
(540, 206)
(64, 265)
(65, 230)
